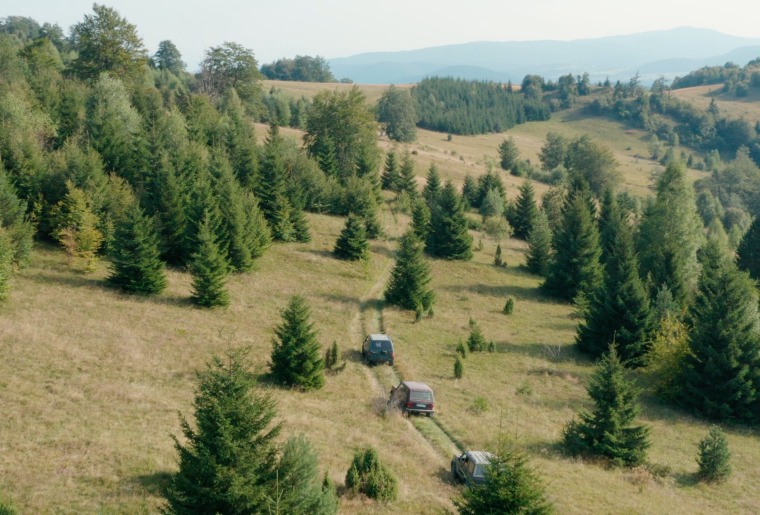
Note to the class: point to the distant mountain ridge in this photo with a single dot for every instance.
(652, 54)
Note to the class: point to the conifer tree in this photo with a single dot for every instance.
(170, 212)
(526, 211)
(300, 224)
(410, 277)
(748, 253)
(610, 218)
(296, 358)
(13, 218)
(391, 177)
(607, 430)
(209, 270)
(369, 476)
(203, 206)
(420, 218)
(432, 186)
(298, 487)
(476, 342)
(721, 374)
(714, 458)
(575, 268)
(227, 464)
(271, 188)
(76, 227)
(619, 311)
(407, 180)
(352, 243)
(240, 142)
(229, 195)
(458, 367)
(448, 237)
(539, 246)
(256, 231)
(670, 234)
(469, 191)
(508, 154)
(510, 487)
(6, 263)
(136, 265)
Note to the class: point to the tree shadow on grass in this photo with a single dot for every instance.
(155, 484)
(69, 279)
(501, 291)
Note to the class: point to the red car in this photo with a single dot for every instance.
(413, 397)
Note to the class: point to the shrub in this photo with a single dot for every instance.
(370, 477)
(458, 368)
(331, 355)
(476, 342)
(462, 349)
(509, 307)
(714, 457)
(479, 405)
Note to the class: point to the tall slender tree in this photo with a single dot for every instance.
(539, 246)
(209, 270)
(448, 237)
(670, 234)
(575, 268)
(748, 253)
(391, 177)
(407, 178)
(619, 311)
(432, 186)
(721, 374)
(136, 265)
(410, 277)
(296, 358)
(525, 211)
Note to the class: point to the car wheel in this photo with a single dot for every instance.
(429, 414)
(390, 362)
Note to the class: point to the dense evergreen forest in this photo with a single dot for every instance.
(458, 106)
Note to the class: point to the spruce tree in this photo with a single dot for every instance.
(296, 358)
(6, 263)
(510, 487)
(14, 219)
(407, 180)
(420, 218)
(203, 207)
(610, 218)
(607, 430)
(240, 141)
(575, 268)
(227, 464)
(369, 476)
(229, 194)
(410, 277)
(448, 237)
(170, 212)
(670, 234)
(476, 342)
(271, 190)
(298, 487)
(539, 246)
(508, 154)
(619, 311)
(352, 243)
(748, 253)
(301, 232)
(714, 458)
(209, 270)
(721, 374)
(391, 177)
(136, 265)
(432, 186)
(526, 211)
(256, 231)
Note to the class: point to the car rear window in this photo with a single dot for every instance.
(421, 395)
(380, 346)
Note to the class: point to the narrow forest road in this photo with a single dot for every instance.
(369, 319)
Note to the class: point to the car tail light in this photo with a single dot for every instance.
(409, 404)
(432, 405)
(393, 355)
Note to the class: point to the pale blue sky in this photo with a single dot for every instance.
(338, 28)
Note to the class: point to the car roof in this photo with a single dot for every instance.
(480, 457)
(376, 336)
(416, 385)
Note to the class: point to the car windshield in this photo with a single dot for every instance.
(421, 395)
(480, 471)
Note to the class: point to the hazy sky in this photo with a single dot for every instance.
(338, 28)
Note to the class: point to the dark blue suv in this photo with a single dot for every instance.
(378, 348)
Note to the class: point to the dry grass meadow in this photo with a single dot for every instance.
(92, 381)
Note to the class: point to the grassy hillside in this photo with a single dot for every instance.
(735, 107)
(92, 381)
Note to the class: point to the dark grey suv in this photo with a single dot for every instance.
(470, 467)
(378, 348)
